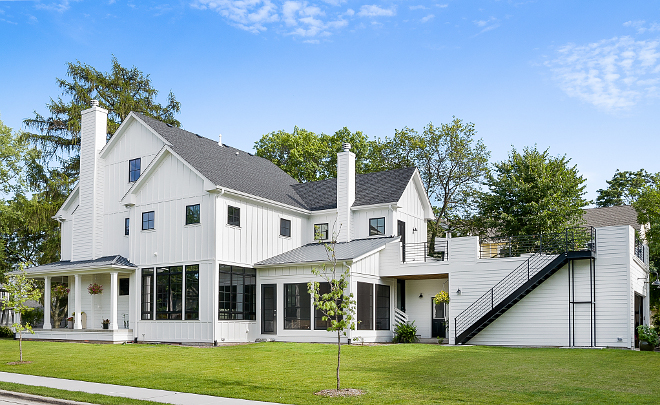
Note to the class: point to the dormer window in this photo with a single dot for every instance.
(376, 226)
(134, 170)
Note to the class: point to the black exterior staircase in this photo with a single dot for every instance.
(549, 253)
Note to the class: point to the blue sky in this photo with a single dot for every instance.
(579, 77)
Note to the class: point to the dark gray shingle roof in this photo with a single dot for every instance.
(370, 188)
(106, 261)
(611, 216)
(260, 177)
(316, 252)
(224, 167)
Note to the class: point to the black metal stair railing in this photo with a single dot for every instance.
(548, 251)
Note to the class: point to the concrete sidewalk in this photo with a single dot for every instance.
(168, 397)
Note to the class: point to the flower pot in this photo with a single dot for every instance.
(105, 325)
(645, 346)
(69, 324)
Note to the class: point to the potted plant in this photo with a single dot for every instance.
(648, 338)
(106, 322)
(94, 289)
(441, 298)
(69, 322)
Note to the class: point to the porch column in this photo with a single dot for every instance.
(113, 300)
(47, 324)
(77, 320)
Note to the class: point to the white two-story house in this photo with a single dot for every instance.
(195, 241)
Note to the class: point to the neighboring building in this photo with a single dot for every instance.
(196, 241)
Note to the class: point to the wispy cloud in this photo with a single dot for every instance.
(442, 5)
(612, 74)
(418, 7)
(59, 7)
(642, 27)
(427, 18)
(250, 15)
(486, 25)
(376, 11)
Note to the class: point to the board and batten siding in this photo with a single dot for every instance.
(258, 236)
(360, 221)
(411, 211)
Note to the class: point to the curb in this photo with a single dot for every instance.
(38, 398)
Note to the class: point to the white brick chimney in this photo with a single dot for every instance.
(88, 218)
(345, 192)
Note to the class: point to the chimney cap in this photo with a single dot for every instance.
(95, 103)
(347, 146)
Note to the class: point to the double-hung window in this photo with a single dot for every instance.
(320, 231)
(233, 216)
(148, 220)
(192, 214)
(285, 227)
(376, 226)
(134, 169)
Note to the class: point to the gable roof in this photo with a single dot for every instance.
(370, 188)
(240, 171)
(317, 253)
(229, 167)
(115, 261)
(611, 216)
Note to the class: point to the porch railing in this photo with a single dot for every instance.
(641, 250)
(419, 252)
(400, 317)
(572, 239)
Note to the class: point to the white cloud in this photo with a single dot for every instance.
(483, 23)
(442, 5)
(376, 11)
(641, 27)
(427, 18)
(59, 7)
(419, 7)
(612, 74)
(334, 2)
(250, 15)
(349, 12)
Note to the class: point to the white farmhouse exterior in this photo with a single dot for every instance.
(195, 241)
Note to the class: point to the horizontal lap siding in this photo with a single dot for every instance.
(419, 309)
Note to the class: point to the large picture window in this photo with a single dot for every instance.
(365, 306)
(192, 214)
(382, 307)
(192, 292)
(237, 298)
(147, 294)
(319, 323)
(297, 306)
(320, 231)
(134, 169)
(233, 216)
(169, 285)
(148, 220)
(376, 226)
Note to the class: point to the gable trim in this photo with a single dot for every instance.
(60, 214)
(122, 130)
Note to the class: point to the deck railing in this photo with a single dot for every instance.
(641, 250)
(572, 239)
(419, 252)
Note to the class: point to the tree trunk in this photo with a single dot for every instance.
(20, 346)
(338, 356)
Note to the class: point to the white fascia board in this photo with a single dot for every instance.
(300, 264)
(421, 191)
(324, 212)
(376, 206)
(84, 270)
(262, 200)
(122, 129)
(60, 215)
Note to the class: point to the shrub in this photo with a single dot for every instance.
(405, 333)
(6, 332)
(33, 317)
(648, 335)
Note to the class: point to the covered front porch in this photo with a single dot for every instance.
(414, 302)
(105, 313)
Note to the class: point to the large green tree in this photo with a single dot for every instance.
(120, 91)
(647, 206)
(532, 193)
(625, 187)
(308, 156)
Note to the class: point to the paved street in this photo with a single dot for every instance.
(16, 398)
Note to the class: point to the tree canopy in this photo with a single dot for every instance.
(626, 187)
(120, 91)
(531, 193)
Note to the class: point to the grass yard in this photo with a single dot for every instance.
(390, 374)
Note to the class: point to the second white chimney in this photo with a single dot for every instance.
(345, 192)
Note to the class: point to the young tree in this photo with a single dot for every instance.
(21, 290)
(120, 91)
(337, 306)
(532, 193)
(626, 187)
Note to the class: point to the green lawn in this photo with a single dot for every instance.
(390, 374)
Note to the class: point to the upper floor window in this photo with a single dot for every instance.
(148, 220)
(285, 227)
(376, 226)
(134, 170)
(320, 231)
(192, 214)
(127, 228)
(233, 216)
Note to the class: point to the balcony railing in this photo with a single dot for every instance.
(572, 239)
(419, 252)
